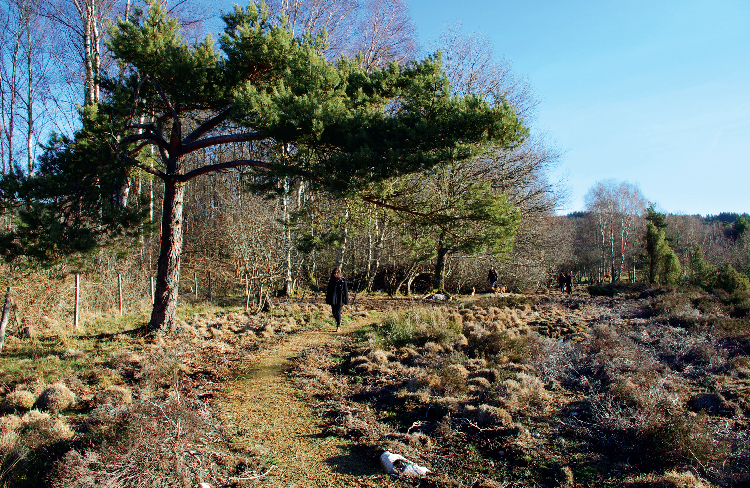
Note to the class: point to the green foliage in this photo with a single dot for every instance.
(608, 290)
(731, 281)
(662, 263)
(335, 124)
(741, 225)
(702, 274)
(72, 203)
(672, 270)
(657, 218)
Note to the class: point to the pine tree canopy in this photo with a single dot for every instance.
(342, 127)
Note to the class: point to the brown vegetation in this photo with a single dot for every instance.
(566, 391)
(646, 388)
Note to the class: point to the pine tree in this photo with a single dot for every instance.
(702, 274)
(662, 263)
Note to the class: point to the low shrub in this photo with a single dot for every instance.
(603, 290)
(151, 442)
(730, 280)
(740, 304)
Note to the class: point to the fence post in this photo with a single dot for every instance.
(4, 319)
(247, 293)
(78, 289)
(119, 290)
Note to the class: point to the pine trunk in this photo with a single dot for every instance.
(168, 272)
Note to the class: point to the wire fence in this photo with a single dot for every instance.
(47, 302)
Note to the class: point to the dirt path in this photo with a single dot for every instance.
(264, 412)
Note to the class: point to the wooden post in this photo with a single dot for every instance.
(4, 319)
(78, 290)
(247, 293)
(119, 290)
(209, 286)
(195, 281)
(152, 291)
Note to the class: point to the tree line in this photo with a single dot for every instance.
(623, 237)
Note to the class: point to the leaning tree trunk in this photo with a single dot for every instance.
(168, 271)
(439, 278)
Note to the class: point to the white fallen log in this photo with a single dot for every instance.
(398, 465)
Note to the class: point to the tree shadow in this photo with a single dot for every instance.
(354, 460)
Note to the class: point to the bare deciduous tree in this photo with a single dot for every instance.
(385, 34)
(336, 18)
(473, 68)
(618, 209)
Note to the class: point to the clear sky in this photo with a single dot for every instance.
(653, 92)
(656, 93)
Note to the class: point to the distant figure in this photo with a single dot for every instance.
(561, 282)
(492, 277)
(569, 283)
(337, 296)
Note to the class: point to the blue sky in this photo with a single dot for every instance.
(656, 93)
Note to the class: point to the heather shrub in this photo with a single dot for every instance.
(741, 303)
(454, 378)
(525, 393)
(12, 449)
(672, 304)
(681, 440)
(607, 290)
(114, 395)
(493, 341)
(40, 429)
(150, 447)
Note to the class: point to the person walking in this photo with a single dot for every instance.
(569, 282)
(561, 282)
(492, 277)
(337, 296)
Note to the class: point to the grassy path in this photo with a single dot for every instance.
(264, 412)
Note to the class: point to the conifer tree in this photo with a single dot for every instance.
(702, 274)
(663, 264)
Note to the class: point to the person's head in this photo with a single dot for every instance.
(336, 273)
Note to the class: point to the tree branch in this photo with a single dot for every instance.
(207, 126)
(147, 137)
(239, 163)
(223, 139)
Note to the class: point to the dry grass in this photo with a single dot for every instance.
(136, 408)
(614, 387)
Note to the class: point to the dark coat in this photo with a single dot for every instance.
(337, 293)
(492, 276)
